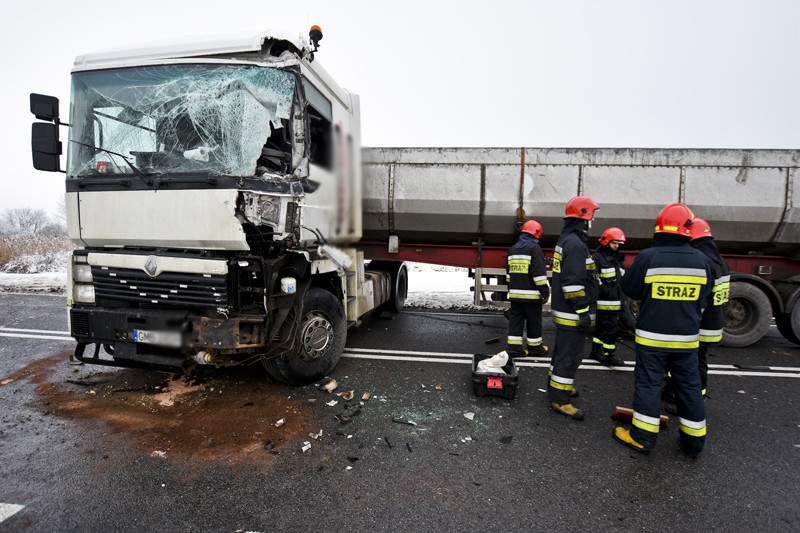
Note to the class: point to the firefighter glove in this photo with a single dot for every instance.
(584, 321)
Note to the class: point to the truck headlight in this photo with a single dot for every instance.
(83, 293)
(83, 273)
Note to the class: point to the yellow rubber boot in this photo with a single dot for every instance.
(567, 409)
(624, 436)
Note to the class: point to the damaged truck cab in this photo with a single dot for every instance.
(212, 192)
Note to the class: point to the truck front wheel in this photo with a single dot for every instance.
(319, 344)
(748, 317)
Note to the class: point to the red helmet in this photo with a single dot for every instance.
(581, 207)
(700, 228)
(612, 235)
(532, 227)
(675, 218)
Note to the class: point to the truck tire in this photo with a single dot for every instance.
(788, 329)
(320, 341)
(748, 316)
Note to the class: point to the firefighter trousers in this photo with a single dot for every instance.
(524, 317)
(606, 330)
(567, 355)
(651, 364)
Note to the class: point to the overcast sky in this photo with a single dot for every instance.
(581, 73)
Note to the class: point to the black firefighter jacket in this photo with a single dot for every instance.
(608, 263)
(527, 274)
(574, 282)
(713, 319)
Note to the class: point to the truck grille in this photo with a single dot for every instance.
(168, 289)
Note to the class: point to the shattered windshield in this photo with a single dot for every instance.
(177, 119)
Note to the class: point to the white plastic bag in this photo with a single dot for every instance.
(493, 364)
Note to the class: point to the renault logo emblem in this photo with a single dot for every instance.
(151, 267)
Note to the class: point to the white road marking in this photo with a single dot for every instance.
(466, 358)
(544, 362)
(48, 331)
(9, 509)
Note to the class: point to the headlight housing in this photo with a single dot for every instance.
(81, 274)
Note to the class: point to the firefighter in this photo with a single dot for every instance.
(713, 319)
(574, 293)
(527, 291)
(609, 263)
(672, 281)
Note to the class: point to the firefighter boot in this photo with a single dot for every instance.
(610, 359)
(540, 349)
(624, 436)
(597, 352)
(567, 409)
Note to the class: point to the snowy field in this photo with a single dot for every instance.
(429, 286)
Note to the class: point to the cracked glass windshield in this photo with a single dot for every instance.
(180, 119)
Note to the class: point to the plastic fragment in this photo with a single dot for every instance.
(330, 385)
(469, 416)
(399, 420)
(366, 396)
(280, 422)
(346, 395)
(306, 446)
(331, 403)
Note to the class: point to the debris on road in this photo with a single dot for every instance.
(399, 420)
(329, 386)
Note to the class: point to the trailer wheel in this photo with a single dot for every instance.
(319, 344)
(785, 327)
(748, 316)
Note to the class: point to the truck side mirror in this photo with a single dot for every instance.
(44, 107)
(45, 146)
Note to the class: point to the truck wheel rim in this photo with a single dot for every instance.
(315, 337)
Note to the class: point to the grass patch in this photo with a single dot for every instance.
(26, 254)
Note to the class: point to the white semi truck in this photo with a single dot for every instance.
(216, 200)
(211, 189)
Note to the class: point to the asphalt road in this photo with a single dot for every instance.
(88, 448)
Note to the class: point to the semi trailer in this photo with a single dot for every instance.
(223, 211)
(460, 206)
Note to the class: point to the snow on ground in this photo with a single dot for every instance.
(54, 282)
(429, 286)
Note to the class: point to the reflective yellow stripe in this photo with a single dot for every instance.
(665, 340)
(694, 429)
(516, 296)
(667, 344)
(560, 386)
(697, 280)
(710, 335)
(564, 321)
(574, 294)
(647, 423)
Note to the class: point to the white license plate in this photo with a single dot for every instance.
(171, 339)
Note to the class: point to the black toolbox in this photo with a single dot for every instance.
(494, 383)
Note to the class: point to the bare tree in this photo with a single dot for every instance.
(24, 221)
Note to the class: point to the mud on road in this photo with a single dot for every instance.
(204, 416)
